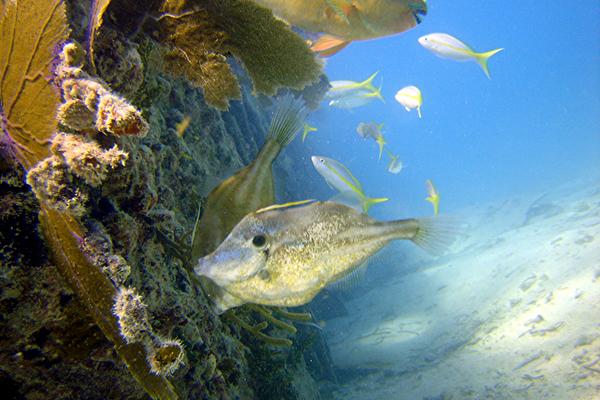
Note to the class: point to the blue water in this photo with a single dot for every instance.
(535, 124)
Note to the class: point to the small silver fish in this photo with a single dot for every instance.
(284, 256)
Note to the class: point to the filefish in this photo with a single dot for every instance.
(251, 187)
(356, 99)
(369, 130)
(345, 88)
(434, 196)
(284, 256)
(339, 178)
(446, 46)
(395, 166)
(410, 98)
(344, 21)
(307, 129)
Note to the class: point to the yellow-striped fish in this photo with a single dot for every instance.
(434, 196)
(251, 188)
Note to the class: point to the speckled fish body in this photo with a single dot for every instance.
(284, 257)
(350, 19)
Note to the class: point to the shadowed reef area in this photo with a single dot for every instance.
(117, 182)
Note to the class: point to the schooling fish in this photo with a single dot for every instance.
(339, 178)
(357, 99)
(370, 130)
(446, 46)
(395, 166)
(381, 142)
(345, 88)
(434, 196)
(250, 188)
(284, 256)
(344, 21)
(307, 129)
(410, 98)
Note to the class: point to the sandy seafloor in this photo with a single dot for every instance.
(512, 313)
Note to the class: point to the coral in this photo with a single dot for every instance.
(86, 159)
(54, 186)
(200, 33)
(132, 315)
(165, 356)
(111, 114)
(30, 31)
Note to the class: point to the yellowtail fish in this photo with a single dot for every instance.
(250, 188)
(356, 99)
(395, 166)
(344, 21)
(381, 142)
(307, 130)
(339, 178)
(345, 88)
(410, 98)
(284, 256)
(446, 46)
(434, 196)
(370, 130)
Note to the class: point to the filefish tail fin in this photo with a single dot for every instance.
(288, 120)
(369, 202)
(368, 83)
(328, 45)
(435, 235)
(482, 59)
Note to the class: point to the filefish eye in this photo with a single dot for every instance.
(259, 241)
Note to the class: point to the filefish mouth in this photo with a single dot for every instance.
(206, 268)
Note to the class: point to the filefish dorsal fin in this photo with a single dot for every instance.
(285, 205)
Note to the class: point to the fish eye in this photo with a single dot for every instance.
(321, 160)
(259, 241)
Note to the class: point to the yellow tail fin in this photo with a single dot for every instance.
(368, 83)
(369, 202)
(482, 59)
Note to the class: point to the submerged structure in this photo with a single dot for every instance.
(97, 298)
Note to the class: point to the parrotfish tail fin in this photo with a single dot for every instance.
(436, 235)
(369, 202)
(288, 120)
(419, 112)
(328, 45)
(482, 59)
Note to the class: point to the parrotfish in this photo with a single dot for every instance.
(344, 21)
(250, 188)
(410, 98)
(446, 46)
(434, 196)
(284, 256)
(339, 178)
